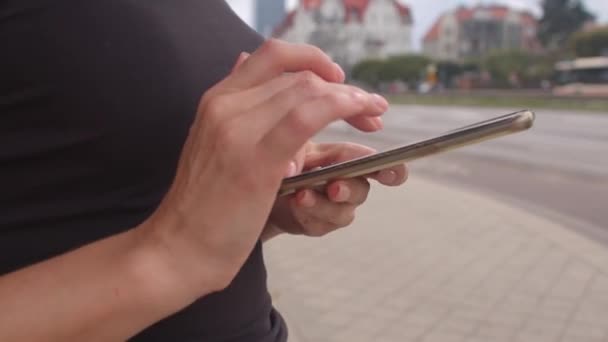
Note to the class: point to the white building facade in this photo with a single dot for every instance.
(474, 32)
(350, 30)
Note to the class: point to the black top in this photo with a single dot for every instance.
(96, 99)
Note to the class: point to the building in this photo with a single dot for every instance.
(350, 30)
(268, 14)
(474, 32)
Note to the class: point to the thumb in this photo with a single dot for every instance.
(297, 163)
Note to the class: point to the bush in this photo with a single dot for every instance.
(517, 68)
(368, 72)
(512, 68)
(406, 68)
(590, 43)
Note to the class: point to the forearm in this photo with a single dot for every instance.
(105, 291)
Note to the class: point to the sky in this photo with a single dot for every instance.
(426, 13)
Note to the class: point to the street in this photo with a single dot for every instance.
(558, 169)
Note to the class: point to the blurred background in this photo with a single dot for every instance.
(503, 241)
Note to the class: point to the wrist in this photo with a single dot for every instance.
(163, 269)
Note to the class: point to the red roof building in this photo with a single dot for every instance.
(475, 31)
(354, 11)
(355, 29)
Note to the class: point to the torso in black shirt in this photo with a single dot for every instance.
(96, 99)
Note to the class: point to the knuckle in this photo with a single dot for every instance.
(272, 49)
(272, 45)
(307, 77)
(298, 121)
(210, 93)
(204, 102)
(335, 99)
(226, 134)
(308, 83)
(317, 52)
(216, 107)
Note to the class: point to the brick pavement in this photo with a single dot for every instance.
(431, 263)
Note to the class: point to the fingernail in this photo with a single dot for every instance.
(343, 193)
(292, 169)
(380, 102)
(377, 122)
(340, 72)
(387, 176)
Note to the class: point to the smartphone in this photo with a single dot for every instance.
(471, 134)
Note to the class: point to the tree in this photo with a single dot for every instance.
(561, 18)
(407, 68)
(368, 72)
(518, 68)
(590, 43)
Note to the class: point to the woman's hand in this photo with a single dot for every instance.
(248, 129)
(312, 213)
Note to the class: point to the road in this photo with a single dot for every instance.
(558, 169)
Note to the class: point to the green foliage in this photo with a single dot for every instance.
(406, 68)
(368, 72)
(561, 18)
(518, 68)
(590, 43)
(510, 68)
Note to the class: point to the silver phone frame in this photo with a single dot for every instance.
(467, 135)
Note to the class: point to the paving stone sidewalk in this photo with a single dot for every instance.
(427, 262)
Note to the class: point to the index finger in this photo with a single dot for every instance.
(276, 57)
